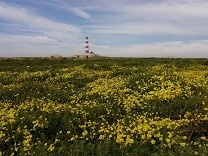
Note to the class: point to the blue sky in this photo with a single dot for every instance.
(133, 28)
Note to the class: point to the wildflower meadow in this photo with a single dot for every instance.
(103, 107)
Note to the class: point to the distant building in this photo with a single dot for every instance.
(92, 52)
(171, 56)
(56, 56)
(84, 56)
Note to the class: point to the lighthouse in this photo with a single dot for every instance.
(87, 52)
(87, 45)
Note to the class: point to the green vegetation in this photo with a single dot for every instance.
(106, 106)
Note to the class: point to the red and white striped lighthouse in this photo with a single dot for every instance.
(86, 45)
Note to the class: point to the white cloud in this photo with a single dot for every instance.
(160, 49)
(147, 28)
(27, 46)
(65, 5)
(140, 18)
(37, 24)
(44, 46)
(32, 35)
(79, 12)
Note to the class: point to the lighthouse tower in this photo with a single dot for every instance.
(86, 45)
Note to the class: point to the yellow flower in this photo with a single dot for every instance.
(129, 140)
(153, 141)
(12, 154)
(143, 136)
(119, 138)
(101, 137)
(183, 144)
(84, 133)
(74, 137)
(203, 138)
(184, 137)
(167, 140)
(51, 148)
(1, 134)
(149, 136)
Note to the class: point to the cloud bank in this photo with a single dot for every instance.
(116, 28)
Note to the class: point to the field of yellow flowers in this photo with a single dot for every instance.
(109, 106)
